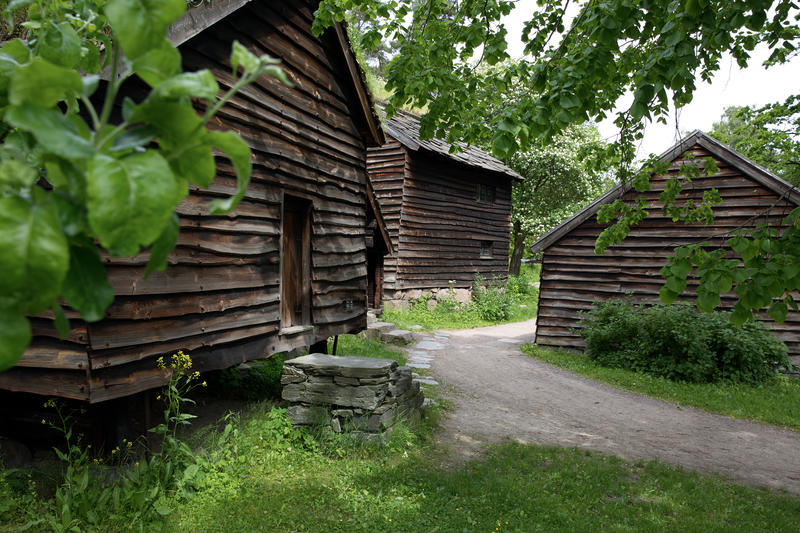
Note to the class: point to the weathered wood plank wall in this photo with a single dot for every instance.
(219, 298)
(573, 276)
(435, 220)
(388, 167)
(444, 224)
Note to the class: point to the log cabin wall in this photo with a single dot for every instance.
(447, 233)
(219, 299)
(573, 277)
(388, 167)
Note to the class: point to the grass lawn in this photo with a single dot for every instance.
(269, 487)
(523, 308)
(358, 345)
(775, 402)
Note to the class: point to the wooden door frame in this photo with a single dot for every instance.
(306, 261)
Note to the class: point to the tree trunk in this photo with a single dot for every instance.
(518, 238)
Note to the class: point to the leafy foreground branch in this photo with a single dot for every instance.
(70, 177)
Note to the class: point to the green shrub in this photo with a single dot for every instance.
(491, 300)
(679, 343)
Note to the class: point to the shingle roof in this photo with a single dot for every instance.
(404, 127)
(725, 153)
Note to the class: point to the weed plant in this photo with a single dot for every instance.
(679, 343)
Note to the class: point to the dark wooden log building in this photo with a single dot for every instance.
(448, 214)
(573, 276)
(288, 267)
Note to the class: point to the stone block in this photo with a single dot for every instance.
(412, 294)
(292, 375)
(375, 330)
(397, 336)
(349, 366)
(365, 397)
(343, 413)
(336, 426)
(373, 381)
(344, 380)
(307, 415)
(462, 296)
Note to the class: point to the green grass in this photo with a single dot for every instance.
(358, 345)
(775, 402)
(516, 488)
(264, 476)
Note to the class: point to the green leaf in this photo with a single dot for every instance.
(163, 246)
(133, 138)
(15, 175)
(707, 300)
(90, 58)
(740, 314)
(200, 84)
(86, 286)
(131, 200)
(569, 101)
(52, 130)
(141, 25)
(681, 268)
(239, 153)
(677, 285)
(160, 63)
(60, 44)
(778, 311)
(667, 296)
(244, 57)
(43, 83)
(35, 255)
(15, 335)
(61, 322)
(175, 122)
(195, 165)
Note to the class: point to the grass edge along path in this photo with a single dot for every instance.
(775, 402)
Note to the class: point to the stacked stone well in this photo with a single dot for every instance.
(358, 395)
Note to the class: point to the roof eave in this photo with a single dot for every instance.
(725, 153)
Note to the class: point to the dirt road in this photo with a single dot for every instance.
(500, 393)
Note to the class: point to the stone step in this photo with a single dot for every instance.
(397, 336)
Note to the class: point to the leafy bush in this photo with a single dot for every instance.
(491, 300)
(679, 343)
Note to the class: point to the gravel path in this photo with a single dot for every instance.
(500, 393)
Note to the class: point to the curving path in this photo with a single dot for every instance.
(499, 393)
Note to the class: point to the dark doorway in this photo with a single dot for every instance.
(296, 263)
(375, 279)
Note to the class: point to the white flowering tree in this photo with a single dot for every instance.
(561, 176)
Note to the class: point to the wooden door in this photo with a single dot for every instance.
(296, 263)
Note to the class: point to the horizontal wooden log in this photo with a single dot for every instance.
(114, 334)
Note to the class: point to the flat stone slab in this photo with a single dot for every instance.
(418, 359)
(349, 365)
(511, 341)
(426, 381)
(429, 345)
(419, 365)
(415, 327)
(397, 336)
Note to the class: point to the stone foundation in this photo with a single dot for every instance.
(402, 299)
(358, 395)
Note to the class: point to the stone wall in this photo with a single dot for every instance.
(359, 395)
(402, 299)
